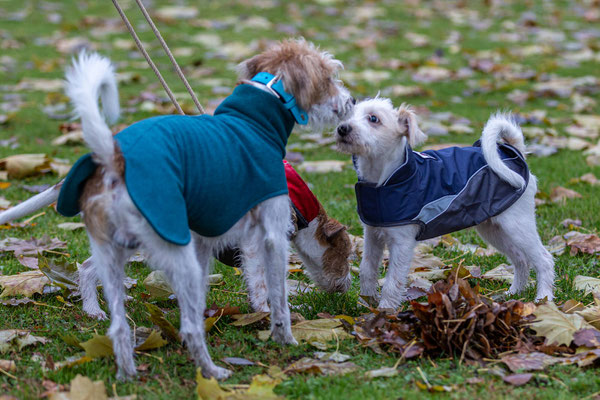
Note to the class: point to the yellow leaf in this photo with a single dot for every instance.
(157, 317)
(556, 326)
(82, 388)
(209, 389)
(24, 165)
(98, 346)
(153, 341)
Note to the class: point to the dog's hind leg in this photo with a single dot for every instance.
(109, 263)
(514, 233)
(88, 279)
(254, 274)
(186, 268)
(370, 263)
(401, 242)
(275, 220)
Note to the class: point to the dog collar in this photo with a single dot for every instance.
(289, 101)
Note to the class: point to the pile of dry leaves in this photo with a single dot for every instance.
(458, 321)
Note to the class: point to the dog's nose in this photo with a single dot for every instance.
(353, 100)
(344, 129)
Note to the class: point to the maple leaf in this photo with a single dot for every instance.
(556, 326)
(25, 284)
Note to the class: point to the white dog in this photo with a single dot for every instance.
(221, 176)
(405, 196)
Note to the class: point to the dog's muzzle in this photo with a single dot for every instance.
(344, 129)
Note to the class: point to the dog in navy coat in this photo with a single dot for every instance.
(404, 196)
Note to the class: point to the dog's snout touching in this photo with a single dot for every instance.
(344, 129)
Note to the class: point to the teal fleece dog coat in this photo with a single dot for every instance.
(202, 173)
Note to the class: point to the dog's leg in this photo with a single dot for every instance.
(401, 242)
(110, 261)
(371, 261)
(273, 254)
(514, 233)
(254, 274)
(186, 268)
(88, 280)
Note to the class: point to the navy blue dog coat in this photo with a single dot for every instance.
(442, 191)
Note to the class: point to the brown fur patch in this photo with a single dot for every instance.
(306, 72)
(331, 234)
(95, 200)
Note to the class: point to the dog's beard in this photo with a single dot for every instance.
(331, 112)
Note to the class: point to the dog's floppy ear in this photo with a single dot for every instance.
(248, 68)
(331, 228)
(409, 126)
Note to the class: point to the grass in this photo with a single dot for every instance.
(170, 373)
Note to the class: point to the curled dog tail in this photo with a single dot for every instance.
(32, 204)
(502, 127)
(91, 77)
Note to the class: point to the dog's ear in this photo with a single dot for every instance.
(409, 127)
(247, 69)
(332, 228)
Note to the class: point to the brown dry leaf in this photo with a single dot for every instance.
(517, 379)
(31, 247)
(248, 319)
(8, 365)
(25, 284)
(529, 361)
(556, 326)
(587, 337)
(23, 165)
(17, 339)
(313, 366)
(82, 388)
(72, 137)
(156, 283)
(317, 329)
(584, 243)
(570, 306)
(560, 194)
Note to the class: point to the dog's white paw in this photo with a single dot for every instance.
(216, 372)
(95, 312)
(282, 334)
(126, 373)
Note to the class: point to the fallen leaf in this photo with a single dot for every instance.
(23, 165)
(32, 246)
(237, 361)
(502, 272)
(556, 326)
(82, 388)
(529, 361)
(312, 366)
(97, 346)
(71, 226)
(382, 372)
(8, 365)
(322, 166)
(60, 273)
(587, 283)
(316, 329)
(17, 339)
(156, 283)
(248, 319)
(587, 337)
(24, 284)
(260, 388)
(591, 315)
(584, 243)
(517, 379)
(560, 194)
(158, 318)
(148, 339)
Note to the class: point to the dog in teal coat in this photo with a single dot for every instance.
(180, 188)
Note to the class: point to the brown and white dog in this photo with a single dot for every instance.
(117, 228)
(321, 242)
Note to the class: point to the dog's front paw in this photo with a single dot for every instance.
(387, 304)
(94, 311)
(216, 372)
(282, 334)
(126, 373)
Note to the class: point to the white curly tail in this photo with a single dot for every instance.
(91, 77)
(502, 127)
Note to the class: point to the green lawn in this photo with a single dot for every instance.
(364, 36)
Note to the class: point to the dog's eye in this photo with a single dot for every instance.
(373, 119)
